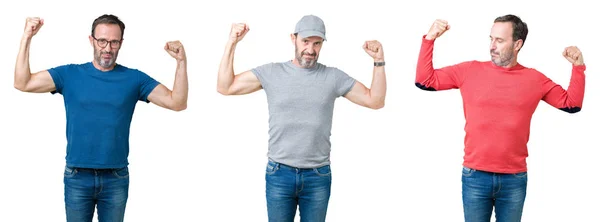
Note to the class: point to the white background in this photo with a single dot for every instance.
(400, 163)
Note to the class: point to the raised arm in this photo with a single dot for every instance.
(227, 82)
(25, 81)
(374, 97)
(427, 77)
(570, 100)
(175, 100)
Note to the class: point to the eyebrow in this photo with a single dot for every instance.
(497, 38)
(316, 41)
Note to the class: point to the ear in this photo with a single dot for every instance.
(518, 45)
(293, 38)
(91, 40)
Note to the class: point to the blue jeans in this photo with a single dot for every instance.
(482, 191)
(87, 188)
(289, 187)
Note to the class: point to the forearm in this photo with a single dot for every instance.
(576, 88)
(378, 86)
(425, 71)
(226, 73)
(180, 87)
(22, 69)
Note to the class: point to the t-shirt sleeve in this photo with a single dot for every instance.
(262, 73)
(147, 84)
(343, 82)
(59, 75)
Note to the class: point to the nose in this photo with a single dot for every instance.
(493, 46)
(107, 49)
(310, 49)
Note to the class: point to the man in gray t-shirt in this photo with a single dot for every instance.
(301, 95)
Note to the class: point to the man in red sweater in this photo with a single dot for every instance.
(499, 99)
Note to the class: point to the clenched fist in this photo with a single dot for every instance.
(437, 29)
(573, 54)
(175, 49)
(238, 31)
(32, 26)
(374, 49)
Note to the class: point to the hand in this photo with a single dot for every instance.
(374, 49)
(32, 26)
(573, 54)
(238, 31)
(175, 49)
(437, 29)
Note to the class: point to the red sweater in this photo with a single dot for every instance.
(498, 105)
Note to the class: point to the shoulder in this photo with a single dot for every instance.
(537, 74)
(72, 66)
(69, 69)
(126, 69)
(269, 68)
(532, 71)
(475, 63)
(132, 72)
(331, 70)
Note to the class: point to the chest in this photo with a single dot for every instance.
(302, 92)
(101, 93)
(502, 90)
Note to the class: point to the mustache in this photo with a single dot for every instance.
(104, 53)
(310, 54)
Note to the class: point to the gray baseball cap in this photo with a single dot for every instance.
(310, 25)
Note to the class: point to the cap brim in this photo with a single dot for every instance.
(306, 34)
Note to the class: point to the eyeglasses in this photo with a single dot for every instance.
(115, 44)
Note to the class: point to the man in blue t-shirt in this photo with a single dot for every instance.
(100, 98)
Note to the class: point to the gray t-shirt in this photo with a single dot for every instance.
(301, 104)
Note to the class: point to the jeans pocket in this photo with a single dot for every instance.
(70, 172)
(271, 168)
(520, 175)
(466, 171)
(323, 171)
(121, 173)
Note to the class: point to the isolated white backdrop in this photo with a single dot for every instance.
(400, 163)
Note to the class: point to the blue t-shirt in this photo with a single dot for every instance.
(99, 107)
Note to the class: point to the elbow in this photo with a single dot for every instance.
(571, 110)
(377, 105)
(223, 91)
(20, 87)
(180, 107)
(423, 87)
(177, 106)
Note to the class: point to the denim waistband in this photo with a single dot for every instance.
(283, 166)
(95, 169)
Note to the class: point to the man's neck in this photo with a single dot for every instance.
(97, 66)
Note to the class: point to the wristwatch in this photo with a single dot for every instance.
(379, 63)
